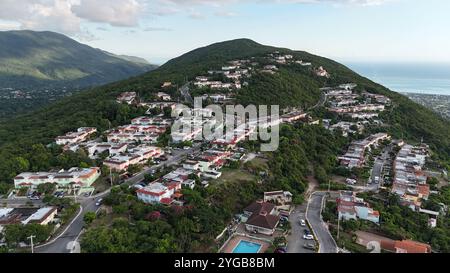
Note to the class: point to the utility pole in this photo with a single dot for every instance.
(32, 244)
(339, 226)
(110, 177)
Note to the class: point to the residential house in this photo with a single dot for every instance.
(293, 116)
(164, 96)
(157, 193)
(189, 184)
(166, 85)
(352, 207)
(75, 177)
(405, 246)
(82, 134)
(136, 156)
(262, 218)
(42, 216)
(127, 97)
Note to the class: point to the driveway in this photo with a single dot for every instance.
(320, 229)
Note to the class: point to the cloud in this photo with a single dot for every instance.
(120, 13)
(70, 16)
(67, 16)
(41, 15)
(226, 14)
(197, 15)
(177, 6)
(148, 29)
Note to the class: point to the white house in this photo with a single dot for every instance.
(75, 176)
(157, 193)
(164, 96)
(76, 137)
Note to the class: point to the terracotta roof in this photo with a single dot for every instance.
(177, 195)
(424, 189)
(376, 213)
(264, 220)
(261, 216)
(409, 246)
(166, 201)
(258, 206)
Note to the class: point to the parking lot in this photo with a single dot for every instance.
(296, 242)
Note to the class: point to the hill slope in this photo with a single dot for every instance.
(48, 59)
(97, 106)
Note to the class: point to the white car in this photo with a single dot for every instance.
(99, 202)
(351, 181)
(302, 223)
(308, 237)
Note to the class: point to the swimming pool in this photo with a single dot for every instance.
(247, 247)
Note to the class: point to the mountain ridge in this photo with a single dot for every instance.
(41, 59)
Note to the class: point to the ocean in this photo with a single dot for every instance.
(407, 78)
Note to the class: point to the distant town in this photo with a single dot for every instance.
(438, 103)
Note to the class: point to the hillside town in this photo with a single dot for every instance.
(161, 162)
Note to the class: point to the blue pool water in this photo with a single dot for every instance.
(247, 247)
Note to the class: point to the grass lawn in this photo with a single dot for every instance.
(101, 184)
(229, 175)
(104, 221)
(259, 163)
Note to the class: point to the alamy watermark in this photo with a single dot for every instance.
(236, 124)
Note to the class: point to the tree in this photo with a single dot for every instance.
(280, 241)
(46, 188)
(89, 217)
(167, 112)
(135, 168)
(4, 188)
(18, 233)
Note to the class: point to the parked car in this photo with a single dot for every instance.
(99, 202)
(302, 223)
(280, 250)
(284, 218)
(306, 232)
(308, 237)
(309, 246)
(350, 181)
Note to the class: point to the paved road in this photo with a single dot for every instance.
(295, 239)
(378, 168)
(322, 101)
(185, 92)
(18, 202)
(65, 242)
(320, 230)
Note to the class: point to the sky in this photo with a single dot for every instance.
(158, 30)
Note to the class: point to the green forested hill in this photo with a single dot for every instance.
(30, 59)
(295, 86)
